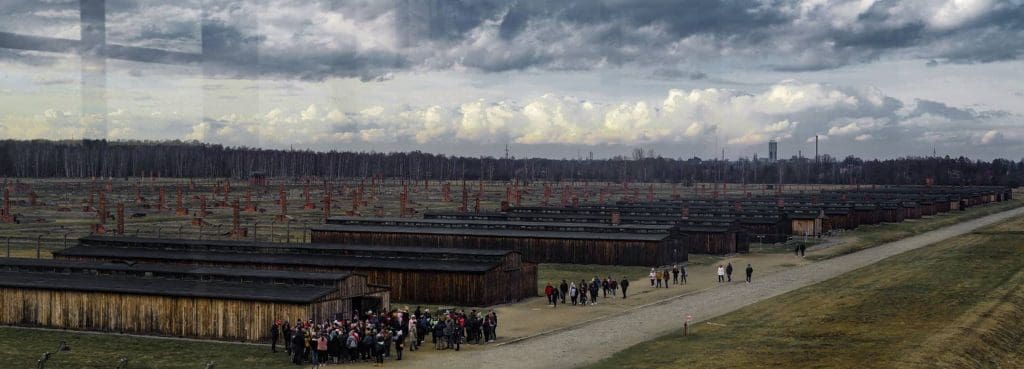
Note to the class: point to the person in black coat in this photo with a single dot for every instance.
(624, 283)
(275, 333)
(728, 271)
(286, 330)
(399, 341)
(564, 288)
(298, 342)
(750, 272)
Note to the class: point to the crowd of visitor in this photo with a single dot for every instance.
(380, 336)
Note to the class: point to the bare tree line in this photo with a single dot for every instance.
(100, 158)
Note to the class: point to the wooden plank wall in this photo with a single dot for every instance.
(716, 243)
(145, 314)
(467, 289)
(806, 227)
(768, 233)
(841, 221)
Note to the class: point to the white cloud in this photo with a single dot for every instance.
(953, 13)
(751, 138)
(819, 137)
(847, 127)
(781, 126)
(991, 137)
(682, 119)
(310, 113)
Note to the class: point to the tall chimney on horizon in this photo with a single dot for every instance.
(816, 149)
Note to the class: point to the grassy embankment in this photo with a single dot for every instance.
(958, 303)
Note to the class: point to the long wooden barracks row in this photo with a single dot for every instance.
(539, 242)
(762, 218)
(700, 235)
(414, 274)
(817, 213)
(175, 300)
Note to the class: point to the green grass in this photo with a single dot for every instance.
(783, 248)
(20, 348)
(555, 273)
(865, 237)
(881, 316)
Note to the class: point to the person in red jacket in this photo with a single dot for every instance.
(549, 291)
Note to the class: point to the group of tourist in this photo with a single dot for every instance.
(660, 278)
(725, 273)
(380, 336)
(585, 293)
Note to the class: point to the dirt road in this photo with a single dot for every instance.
(598, 340)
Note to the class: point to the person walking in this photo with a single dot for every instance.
(549, 291)
(489, 329)
(624, 283)
(614, 285)
(675, 274)
(564, 289)
(664, 277)
(750, 272)
(682, 273)
(573, 293)
(494, 331)
(803, 248)
(275, 334)
(595, 286)
(728, 272)
(554, 297)
(652, 275)
(657, 276)
(721, 274)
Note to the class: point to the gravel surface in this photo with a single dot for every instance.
(601, 339)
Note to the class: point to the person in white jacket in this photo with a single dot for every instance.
(653, 274)
(413, 334)
(721, 273)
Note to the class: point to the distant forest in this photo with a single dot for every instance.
(100, 158)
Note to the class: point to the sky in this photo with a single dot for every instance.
(559, 79)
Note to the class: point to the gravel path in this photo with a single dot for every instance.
(599, 340)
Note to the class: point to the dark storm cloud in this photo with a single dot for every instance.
(588, 34)
(291, 40)
(936, 108)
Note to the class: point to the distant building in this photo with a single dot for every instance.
(773, 150)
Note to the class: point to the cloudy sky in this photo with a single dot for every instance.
(549, 78)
